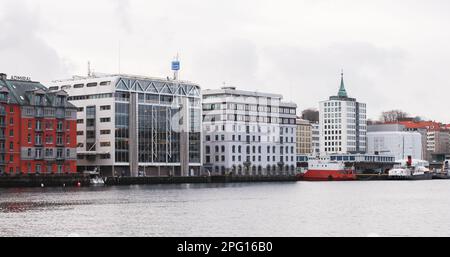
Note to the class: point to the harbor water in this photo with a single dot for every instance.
(367, 208)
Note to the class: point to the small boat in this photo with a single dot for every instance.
(411, 170)
(94, 178)
(323, 169)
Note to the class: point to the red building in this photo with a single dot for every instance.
(37, 128)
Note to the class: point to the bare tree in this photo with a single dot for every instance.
(393, 116)
(311, 114)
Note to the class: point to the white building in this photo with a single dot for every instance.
(401, 144)
(343, 124)
(248, 133)
(132, 125)
(315, 140)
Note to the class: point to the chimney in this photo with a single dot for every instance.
(3, 76)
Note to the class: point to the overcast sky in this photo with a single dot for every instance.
(395, 54)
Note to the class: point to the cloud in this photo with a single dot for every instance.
(22, 50)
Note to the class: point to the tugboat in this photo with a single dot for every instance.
(409, 171)
(323, 169)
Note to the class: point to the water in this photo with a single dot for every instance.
(373, 208)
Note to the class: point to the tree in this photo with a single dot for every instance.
(393, 116)
(311, 114)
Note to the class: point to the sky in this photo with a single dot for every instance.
(395, 54)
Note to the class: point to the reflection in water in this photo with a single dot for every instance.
(28, 206)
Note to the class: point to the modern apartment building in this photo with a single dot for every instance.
(343, 124)
(37, 129)
(248, 133)
(136, 126)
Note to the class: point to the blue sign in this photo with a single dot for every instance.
(175, 65)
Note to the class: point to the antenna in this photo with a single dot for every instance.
(89, 68)
(119, 57)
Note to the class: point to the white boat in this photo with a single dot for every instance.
(411, 170)
(95, 178)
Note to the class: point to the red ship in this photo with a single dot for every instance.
(326, 170)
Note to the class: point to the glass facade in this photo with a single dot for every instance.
(158, 121)
(122, 132)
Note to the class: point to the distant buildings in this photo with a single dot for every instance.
(400, 144)
(435, 138)
(37, 129)
(343, 124)
(131, 125)
(248, 133)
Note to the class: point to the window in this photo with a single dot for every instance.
(78, 86)
(11, 121)
(30, 124)
(11, 133)
(105, 83)
(80, 133)
(80, 121)
(80, 109)
(105, 132)
(105, 144)
(105, 120)
(105, 107)
(91, 84)
(11, 109)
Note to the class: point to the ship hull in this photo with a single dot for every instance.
(327, 175)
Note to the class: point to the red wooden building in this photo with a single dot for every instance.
(37, 128)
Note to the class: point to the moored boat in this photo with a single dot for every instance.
(323, 169)
(411, 170)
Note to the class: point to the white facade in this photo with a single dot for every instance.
(343, 124)
(248, 133)
(397, 143)
(315, 140)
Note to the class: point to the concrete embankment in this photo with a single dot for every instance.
(372, 177)
(44, 180)
(111, 181)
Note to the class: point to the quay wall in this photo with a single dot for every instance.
(111, 181)
(70, 180)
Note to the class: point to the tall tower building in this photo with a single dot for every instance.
(343, 124)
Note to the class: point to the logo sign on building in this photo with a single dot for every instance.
(175, 65)
(21, 78)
